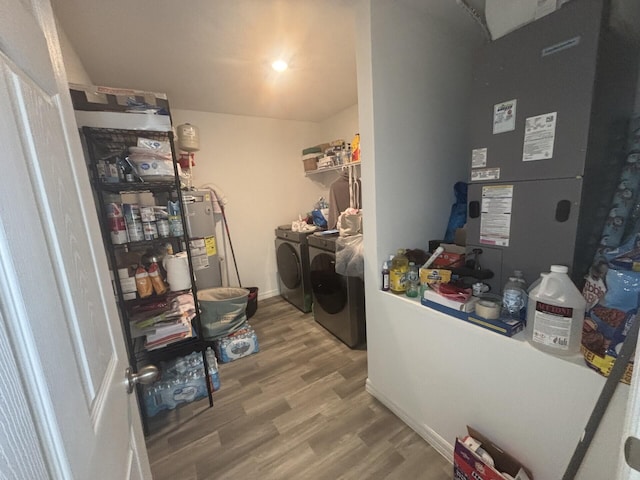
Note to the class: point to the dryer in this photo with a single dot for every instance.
(338, 301)
(292, 258)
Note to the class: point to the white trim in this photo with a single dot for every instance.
(443, 447)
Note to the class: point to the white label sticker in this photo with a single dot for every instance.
(539, 137)
(495, 215)
(478, 158)
(485, 174)
(504, 116)
(552, 325)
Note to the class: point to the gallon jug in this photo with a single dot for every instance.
(555, 314)
(398, 273)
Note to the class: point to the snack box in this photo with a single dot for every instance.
(467, 465)
(452, 257)
(430, 276)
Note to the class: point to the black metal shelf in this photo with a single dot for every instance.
(135, 187)
(104, 143)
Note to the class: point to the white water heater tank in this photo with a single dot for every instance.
(188, 137)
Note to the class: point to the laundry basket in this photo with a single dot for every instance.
(222, 310)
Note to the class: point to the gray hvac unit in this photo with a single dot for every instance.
(549, 115)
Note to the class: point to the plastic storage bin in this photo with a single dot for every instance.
(223, 310)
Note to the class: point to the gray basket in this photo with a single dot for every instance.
(222, 310)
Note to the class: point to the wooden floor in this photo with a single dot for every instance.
(298, 409)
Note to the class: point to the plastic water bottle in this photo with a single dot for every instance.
(555, 314)
(413, 280)
(514, 296)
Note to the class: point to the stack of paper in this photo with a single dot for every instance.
(166, 326)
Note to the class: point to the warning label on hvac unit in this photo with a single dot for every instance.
(495, 215)
(539, 137)
(504, 116)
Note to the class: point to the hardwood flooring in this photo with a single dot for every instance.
(298, 409)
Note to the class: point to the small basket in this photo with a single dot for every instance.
(310, 164)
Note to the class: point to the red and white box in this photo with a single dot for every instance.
(472, 460)
(452, 257)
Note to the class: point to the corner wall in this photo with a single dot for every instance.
(438, 373)
(76, 72)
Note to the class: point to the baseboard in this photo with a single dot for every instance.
(268, 294)
(443, 447)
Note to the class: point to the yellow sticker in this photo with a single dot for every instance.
(207, 197)
(210, 243)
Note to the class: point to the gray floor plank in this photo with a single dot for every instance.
(298, 409)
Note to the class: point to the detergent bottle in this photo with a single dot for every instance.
(398, 272)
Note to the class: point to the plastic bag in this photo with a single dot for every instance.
(350, 222)
(611, 291)
(318, 219)
(458, 215)
(350, 256)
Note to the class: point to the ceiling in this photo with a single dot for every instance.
(215, 55)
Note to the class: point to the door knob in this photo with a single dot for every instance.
(632, 452)
(145, 375)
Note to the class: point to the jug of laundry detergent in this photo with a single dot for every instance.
(398, 272)
(555, 314)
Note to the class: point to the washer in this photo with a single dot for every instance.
(292, 258)
(338, 301)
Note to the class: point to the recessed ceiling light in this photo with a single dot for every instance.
(279, 65)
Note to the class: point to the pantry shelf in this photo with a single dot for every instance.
(143, 222)
(331, 169)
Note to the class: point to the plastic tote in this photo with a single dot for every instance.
(223, 310)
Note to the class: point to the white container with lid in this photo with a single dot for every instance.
(555, 314)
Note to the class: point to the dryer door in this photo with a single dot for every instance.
(329, 288)
(289, 265)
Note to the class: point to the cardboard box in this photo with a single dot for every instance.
(504, 326)
(436, 301)
(467, 465)
(465, 311)
(452, 257)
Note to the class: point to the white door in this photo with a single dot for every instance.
(58, 319)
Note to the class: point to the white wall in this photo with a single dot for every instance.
(343, 125)
(76, 72)
(256, 163)
(438, 373)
